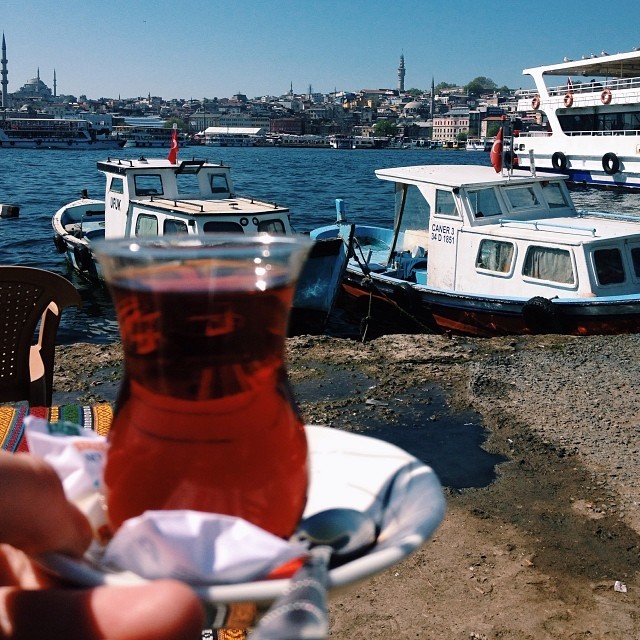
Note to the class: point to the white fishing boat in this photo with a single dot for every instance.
(592, 120)
(156, 197)
(476, 252)
(53, 133)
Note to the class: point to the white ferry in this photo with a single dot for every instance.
(52, 133)
(146, 136)
(232, 136)
(479, 144)
(478, 253)
(592, 112)
(341, 141)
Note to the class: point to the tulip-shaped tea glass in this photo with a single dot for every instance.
(205, 417)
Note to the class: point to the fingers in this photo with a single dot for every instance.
(36, 516)
(156, 611)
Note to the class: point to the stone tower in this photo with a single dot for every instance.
(401, 71)
(5, 82)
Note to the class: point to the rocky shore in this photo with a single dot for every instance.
(551, 547)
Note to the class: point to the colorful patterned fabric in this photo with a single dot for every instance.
(97, 417)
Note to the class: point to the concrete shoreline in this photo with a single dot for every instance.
(535, 554)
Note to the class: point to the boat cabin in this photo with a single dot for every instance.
(155, 197)
(468, 230)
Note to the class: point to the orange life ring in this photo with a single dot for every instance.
(568, 100)
(535, 103)
(605, 96)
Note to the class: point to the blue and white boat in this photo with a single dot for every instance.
(157, 197)
(481, 253)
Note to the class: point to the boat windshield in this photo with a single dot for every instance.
(554, 195)
(412, 210)
(484, 202)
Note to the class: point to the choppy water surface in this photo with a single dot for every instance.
(306, 180)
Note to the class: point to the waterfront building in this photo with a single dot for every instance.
(448, 126)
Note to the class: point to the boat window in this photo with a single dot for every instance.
(148, 185)
(495, 255)
(522, 197)
(445, 204)
(217, 226)
(484, 203)
(554, 195)
(548, 263)
(187, 183)
(218, 183)
(416, 211)
(617, 121)
(271, 226)
(174, 226)
(635, 258)
(146, 225)
(608, 263)
(116, 185)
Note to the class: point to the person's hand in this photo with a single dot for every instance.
(36, 518)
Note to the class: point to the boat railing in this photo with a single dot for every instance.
(616, 84)
(630, 217)
(537, 224)
(546, 134)
(177, 203)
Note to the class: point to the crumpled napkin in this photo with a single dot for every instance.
(193, 546)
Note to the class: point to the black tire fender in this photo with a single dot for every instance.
(610, 163)
(510, 159)
(405, 296)
(59, 243)
(559, 161)
(83, 258)
(540, 316)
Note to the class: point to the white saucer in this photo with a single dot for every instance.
(348, 470)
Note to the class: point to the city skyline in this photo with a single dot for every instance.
(209, 49)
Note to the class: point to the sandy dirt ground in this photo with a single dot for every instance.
(549, 547)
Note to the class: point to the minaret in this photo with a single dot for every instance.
(401, 72)
(5, 82)
(55, 85)
(433, 97)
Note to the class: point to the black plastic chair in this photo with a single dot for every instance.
(30, 297)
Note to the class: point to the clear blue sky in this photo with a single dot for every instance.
(215, 48)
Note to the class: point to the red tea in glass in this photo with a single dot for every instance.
(205, 418)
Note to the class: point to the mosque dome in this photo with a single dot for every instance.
(413, 106)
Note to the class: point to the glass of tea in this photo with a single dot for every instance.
(205, 418)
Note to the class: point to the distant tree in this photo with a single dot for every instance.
(385, 128)
(493, 129)
(480, 85)
(445, 85)
(414, 92)
(182, 125)
(462, 136)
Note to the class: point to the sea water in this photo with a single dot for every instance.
(307, 181)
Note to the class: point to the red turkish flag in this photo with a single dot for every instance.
(173, 152)
(496, 152)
